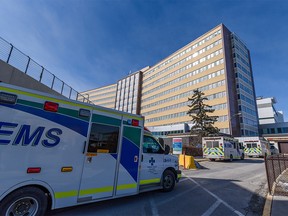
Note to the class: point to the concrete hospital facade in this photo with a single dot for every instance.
(217, 63)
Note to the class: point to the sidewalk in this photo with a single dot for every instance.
(279, 206)
(279, 201)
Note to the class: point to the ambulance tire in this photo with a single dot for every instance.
(25, 201)
(168, 181)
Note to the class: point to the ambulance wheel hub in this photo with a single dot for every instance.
(24, 206)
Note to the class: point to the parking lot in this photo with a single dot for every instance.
(219, 188)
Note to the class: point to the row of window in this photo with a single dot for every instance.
(219, 106)
(247, 110)
(127, 109)
(248, 121)
(189, 93)
(102, 99)
(193, 64)
(225, 130)
(128, 94)
(185, 51)
(248, 133)
(183, 95)
(246, 99)
(126, 104)
(239, 45)
(212, 86)
(94, 97)
(183, 104)
(127, 80)
(240, 68)
(111, 89)
(178, 115)
(245, 88)
(128, 86)
(108, 104)
(239, 58)
(185, 85)
(192, 73)
(274, 130)
(165, 133)
(184, 60)
(242, 77)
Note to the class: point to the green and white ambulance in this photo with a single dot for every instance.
(255, 146)
(56, 153)
(222, 148)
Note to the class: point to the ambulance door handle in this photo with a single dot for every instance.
(89, 159)
(84, 147)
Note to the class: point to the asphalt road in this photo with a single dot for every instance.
(219, 188)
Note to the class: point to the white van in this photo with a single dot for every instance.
(255, 146)
(222, 148)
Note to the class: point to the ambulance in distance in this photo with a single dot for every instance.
(56, 152)
(222, 148)
(255, 146)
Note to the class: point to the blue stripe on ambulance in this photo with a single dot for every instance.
(76, 125)
(129, 150)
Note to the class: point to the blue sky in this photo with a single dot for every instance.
(93, 43)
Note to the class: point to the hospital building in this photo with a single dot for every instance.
(218, 63)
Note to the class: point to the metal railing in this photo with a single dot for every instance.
(277, 174)
(13, 56)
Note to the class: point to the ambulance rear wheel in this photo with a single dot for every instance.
(27, 201)
(168, 181)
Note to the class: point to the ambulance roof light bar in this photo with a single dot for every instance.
(51, 106)
(7, 98)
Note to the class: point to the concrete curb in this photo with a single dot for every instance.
(201, 159)
(268, 205)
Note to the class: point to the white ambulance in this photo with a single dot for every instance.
(56, 153)
(255, 146)
(222, 148)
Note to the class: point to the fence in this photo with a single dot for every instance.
(11, 55)
(277, 174)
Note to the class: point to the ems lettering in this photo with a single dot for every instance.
(26, 136)
(52, 135)
(6, 129)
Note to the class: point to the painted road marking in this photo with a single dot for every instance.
(212, 208)
(176, 196)
(153, 207)
(216, 197)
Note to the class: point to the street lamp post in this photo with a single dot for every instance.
(232, 117)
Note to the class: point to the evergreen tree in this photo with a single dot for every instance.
(199, 111)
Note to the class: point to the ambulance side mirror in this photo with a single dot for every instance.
(167, 149)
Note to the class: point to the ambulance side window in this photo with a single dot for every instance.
(103, 138)
(150, 145)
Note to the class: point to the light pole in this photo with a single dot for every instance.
(230, 120)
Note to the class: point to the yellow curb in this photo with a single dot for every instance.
(268, 205)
